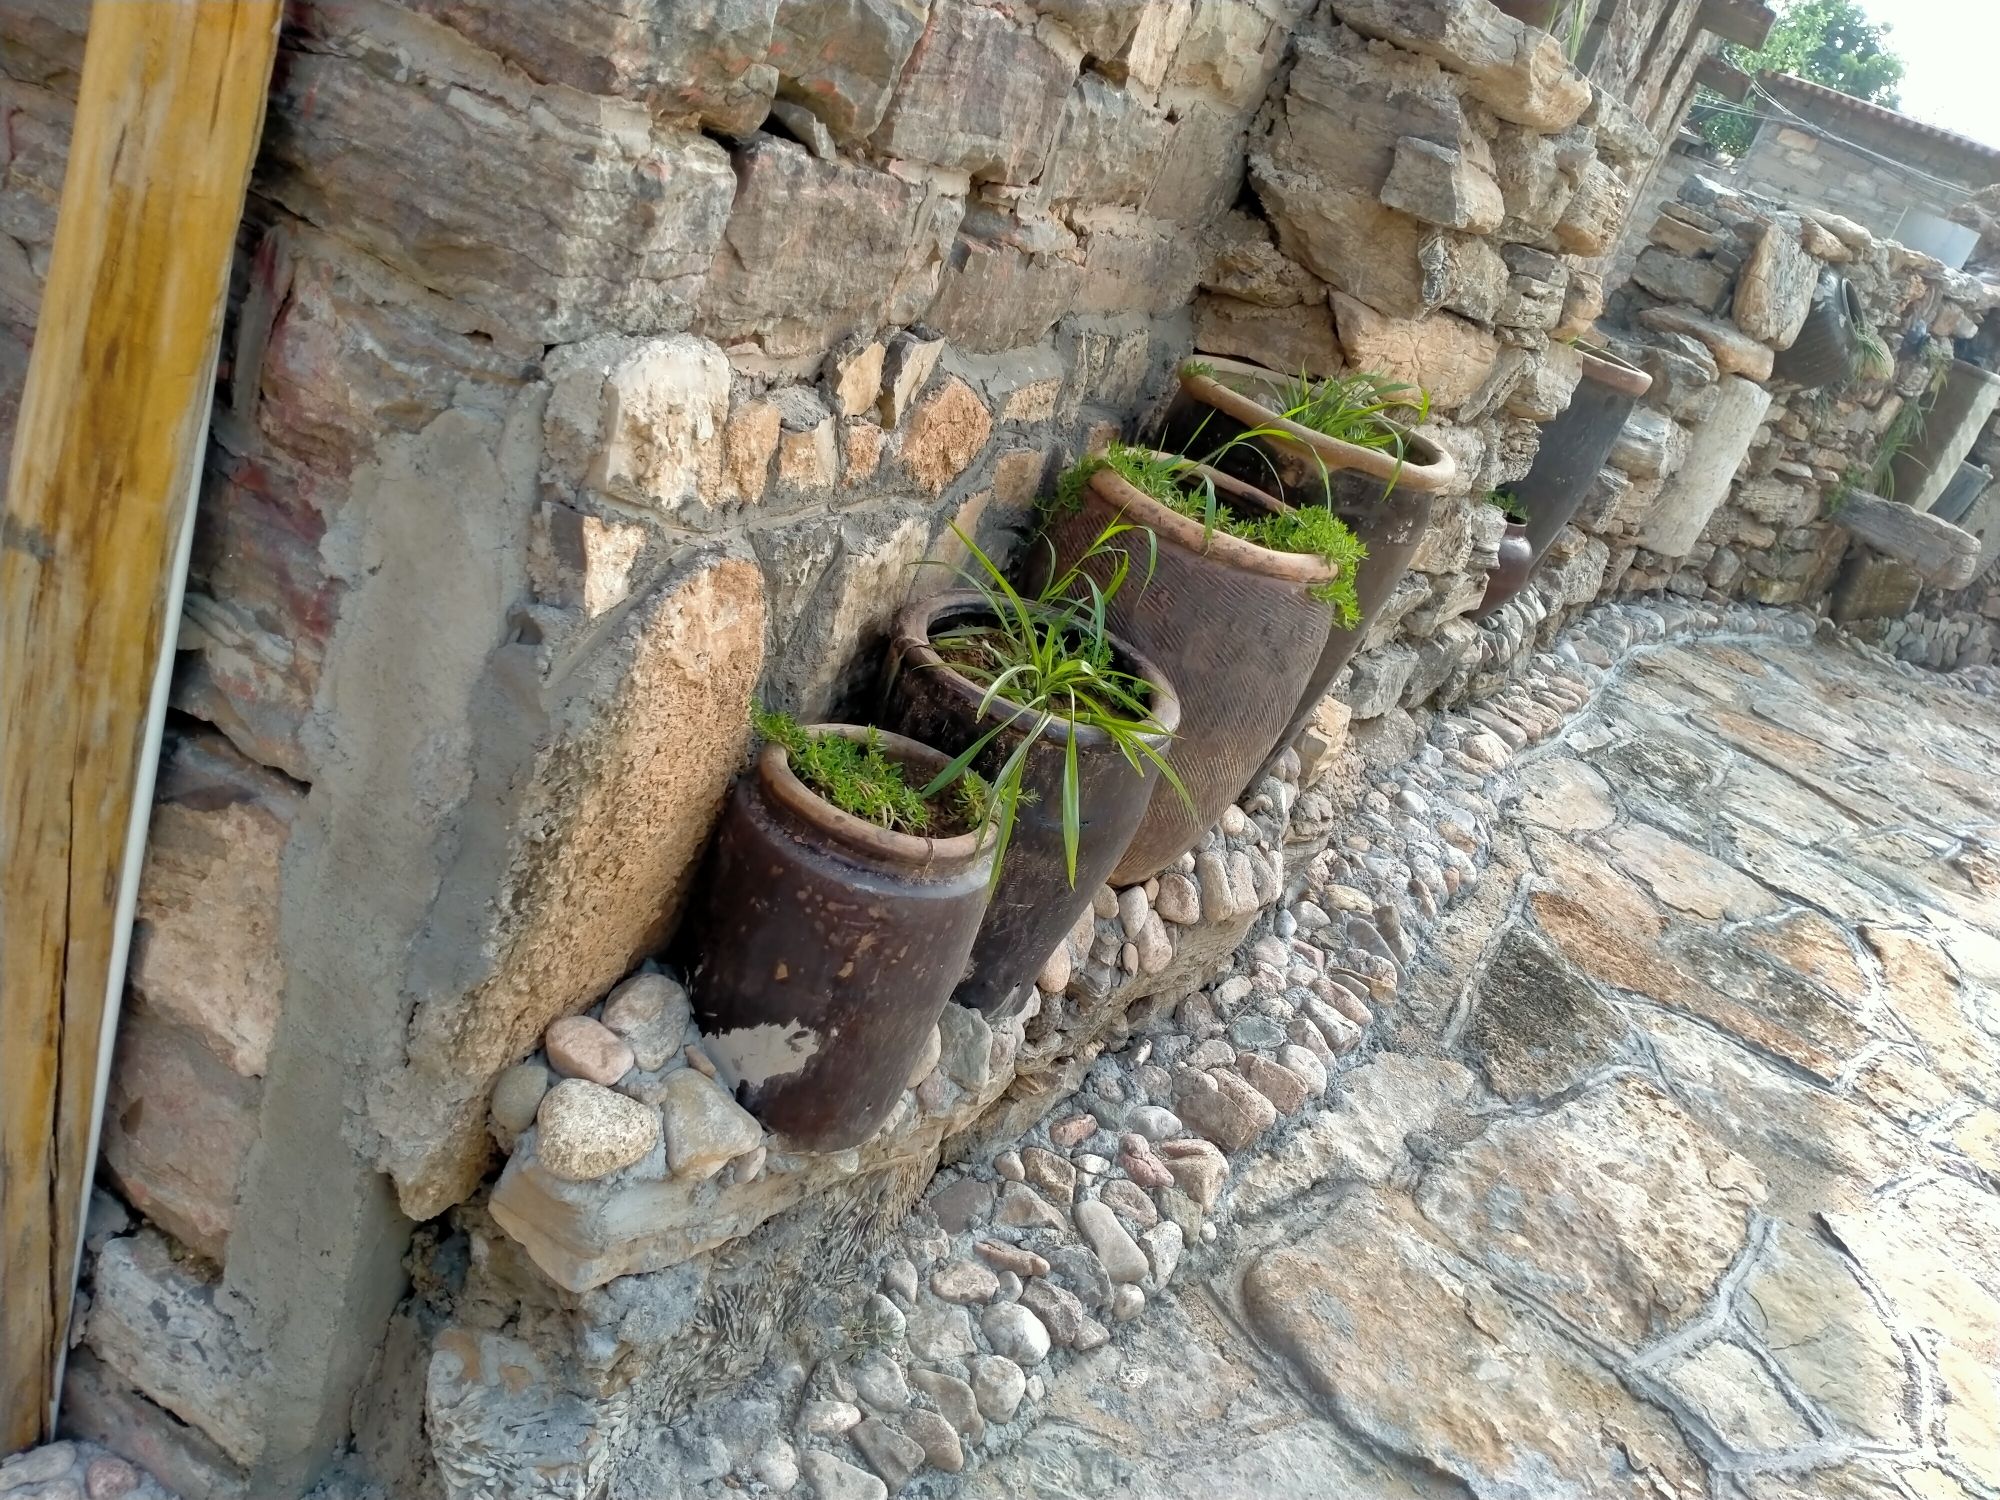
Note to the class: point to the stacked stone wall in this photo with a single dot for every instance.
(593, 372)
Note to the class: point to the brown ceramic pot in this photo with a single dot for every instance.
(1510, 574)
(1221, 399)
(1574, 448)
(1234, 626)
(822, 949)
(1034, 904)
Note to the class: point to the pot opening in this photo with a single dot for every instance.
(866, 777)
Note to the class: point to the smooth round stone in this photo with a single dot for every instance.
(586, 1131)
(1127, 1302)
(998, 1384)
(1153, 1122)
(1133, 910)
(517, 1095)
(1257, 1033)
(579, 1047)
(1015, 1333)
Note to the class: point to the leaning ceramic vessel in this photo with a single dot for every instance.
(1387, 505)
(1234, 626)
(822, 948)
(1574, 448)
(1221, 399)
(1034, 903)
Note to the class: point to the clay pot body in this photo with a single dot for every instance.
(823, 948)
(1236, 629)
(1511, 573)
(1574, 449)
(1034, 903)
(1392, 526)
(1825, 350)
(1293, 463)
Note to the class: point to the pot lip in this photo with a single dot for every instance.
(1191, 536)
(1602, 367)
(1434, 473)
(911, 645)
(778, 782)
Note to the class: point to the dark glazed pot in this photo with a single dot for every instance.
(1825, 351)
(1511, 573)
(1574, 449)
(823, 949)
(1391, 525)
(1236, 629)
(1034, 904)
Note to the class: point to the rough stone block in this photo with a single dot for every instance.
(1595, 214)
(1681, 278)
(178, 1127)
(1735, 352)
(1548, 384)
(1775, 291)
(154, 1321)
(974, 77)
(945, 434)
(613, 783)
(1447, 356)
(1137, 266)
(1379, 678)
(1108, 147)
(1282, 338)
(102, 1407)
(1518, 71)
(773, 279)
(558, 215)
(1650, 444)
(841, 58)
(1350, 241)
(1347, 110)
(637, 420)
(1716, 452)
(997, 296)
(1201, 169)
(1232, 49)
(205, 942)
(705, 66)
(1438, 185)
(1247, 266)
(1103, 28)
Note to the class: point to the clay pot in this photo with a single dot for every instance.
(1574, 448)
(1232, 398)
(1034, 903)
(1234, 626)
(1511, 573)
(1391, 524)
(1825, 350)
(823, 948)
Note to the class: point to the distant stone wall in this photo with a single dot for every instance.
(1798, 165)
(593, 371)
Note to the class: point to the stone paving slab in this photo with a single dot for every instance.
(1680, 1173)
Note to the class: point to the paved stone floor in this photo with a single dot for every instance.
(1676, 1175)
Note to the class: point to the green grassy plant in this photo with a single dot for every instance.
(859, 778)
(1505, 503)
(1048, 660)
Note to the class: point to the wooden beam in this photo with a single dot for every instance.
(1744, 22)
(1720, 75)
(1943, 555)
(99, 490)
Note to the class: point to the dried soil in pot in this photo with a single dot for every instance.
(1236, 629)
(1034, 904)
(822, 949)
(1574, 448)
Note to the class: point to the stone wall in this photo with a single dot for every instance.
(591, 374)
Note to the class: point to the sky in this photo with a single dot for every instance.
(1953, 51)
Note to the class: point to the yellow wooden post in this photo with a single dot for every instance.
(99, 488)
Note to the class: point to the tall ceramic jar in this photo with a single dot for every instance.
(822, 948)
(1035, 903)
(1386, 503)
(1574, 448)
(1235, 627)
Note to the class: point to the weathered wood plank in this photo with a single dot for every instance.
(1945, 555)
(168, 117)
(1744, 22)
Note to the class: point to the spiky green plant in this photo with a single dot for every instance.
(1873, 359)
(1507, 505)
(859, 778)
(1045, 660)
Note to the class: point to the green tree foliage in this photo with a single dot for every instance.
(1831, 42)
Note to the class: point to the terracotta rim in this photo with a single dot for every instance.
(912, 644)
(1602, 367)
(1432, 474)
(858, 835)
(1189, 534)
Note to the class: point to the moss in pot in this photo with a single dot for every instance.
(835, 912)
(1238, 595)
(1070, 724)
